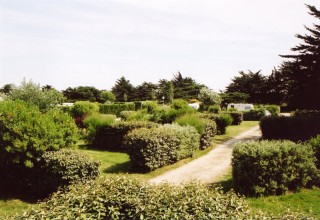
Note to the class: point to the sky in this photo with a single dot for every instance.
(69, 43)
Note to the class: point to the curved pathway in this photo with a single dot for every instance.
(210, 167)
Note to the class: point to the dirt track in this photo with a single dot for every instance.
(210, 167)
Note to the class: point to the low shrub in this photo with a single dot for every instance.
(205, 127)
(137, 105)
(110, 137)
(150, 106)
(254, 114)
(315, 144)
(272, 167)
(295, 128)
(141, 115)
(116, 108)
(237, 117)
(214, 109)
(222, 121)
(153, 148)
(273, 109)
(94, 121)
(179, 104)
(55, 169)
(172, 114)
(61, 168)
(124, 115)
(127, 198)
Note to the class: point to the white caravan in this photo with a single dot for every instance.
(241, 106)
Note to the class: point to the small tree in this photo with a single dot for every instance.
(107, 96)
(209, 97)
(32, 93)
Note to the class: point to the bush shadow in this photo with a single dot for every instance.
(119, 168)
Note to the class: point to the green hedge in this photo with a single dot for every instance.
(125, 198)
(272, 167)
(237, 117)
(81, 109)
(205, 127)
(94, 121)
(116, 108)
(254, 115)
(295, 128)
(315, 144)
(222, 121)
(153, 148)
(110, 137)
(54, 170)
(273, 109)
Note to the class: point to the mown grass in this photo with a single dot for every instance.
(306, 201)
(10, 207)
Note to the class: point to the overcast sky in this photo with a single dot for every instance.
(94, 42)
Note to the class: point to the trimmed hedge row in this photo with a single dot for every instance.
(55, 169)
(237, 117)
(110, 137)
(205, 127)
(272, 167)
(254, 115)
(153, 148)
(295, 128)
(116, 108)
(125, 198)
(222, 121)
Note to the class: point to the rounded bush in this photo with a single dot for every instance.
(153, 148)
(272, 167)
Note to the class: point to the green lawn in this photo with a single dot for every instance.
(306, 201)
(10, 207)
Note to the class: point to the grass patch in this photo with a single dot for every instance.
(10, 207)
(306, 201)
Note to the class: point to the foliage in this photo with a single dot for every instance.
(295, 128)
(107, 96)
(151, 106)
(62, 168)
(121, 88)
(272, 167)
(315, 144)
(26, 133)
(82, 93)
(81, 109)
(94, 121)
(237, 117)
(146, 91)
(116, 108)
(179, 104)
(205, 127)
(222, 121)
(254, 114)
(252, 84)
(273, 109)
(153, 148)
(301, 71)
(214, 109)
(185, 87)
(126, 198)
(209, 97)
(110, 137)
(141, 115)
(31, 93)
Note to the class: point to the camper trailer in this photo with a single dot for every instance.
(241, 106)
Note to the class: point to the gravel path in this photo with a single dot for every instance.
(210, 167)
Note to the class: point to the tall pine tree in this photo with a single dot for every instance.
(302, 69)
